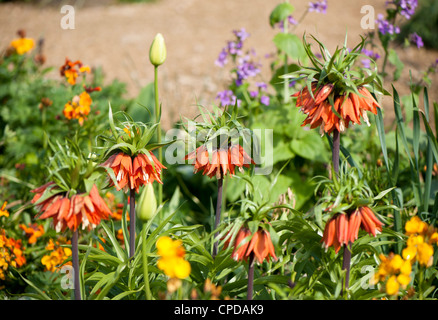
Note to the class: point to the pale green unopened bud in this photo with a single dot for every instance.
(157, 52)
(147, 204)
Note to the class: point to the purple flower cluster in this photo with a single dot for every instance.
(385, 27)
(227, 98)
(233, 48)
(264, 99)
(417, 40)
(319, 6)
(369, 53)
(246, 69)
(408, 7)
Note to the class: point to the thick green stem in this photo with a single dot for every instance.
(147, 289)
(251, 264)
(218, 213)
(75, 258)
(132, 223)
(158, 121)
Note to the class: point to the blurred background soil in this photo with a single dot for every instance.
(116, 36)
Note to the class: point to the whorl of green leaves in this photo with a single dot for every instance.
(346, 191)
(70, 169)
(220, 125)
(128, 136)
(338, 69)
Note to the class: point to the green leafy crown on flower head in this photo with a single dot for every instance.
(70, 169)
(346, 191)
(219, 127)
(338, 69)
(128, 136)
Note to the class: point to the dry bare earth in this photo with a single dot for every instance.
(117, 37)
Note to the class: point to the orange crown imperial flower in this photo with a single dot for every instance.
(132, 174)
(343, 229)
(337, 91)
(347, 107)
(258, 244)
(223, 161)
(128, 157)
(70, 212)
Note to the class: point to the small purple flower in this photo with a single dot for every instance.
(290, 20)
(234, 48)
(408, 7)
(370, 53)
(262, 85)
(245, 69)
(385, 27)
(253, 94)
(319, 6)
(227, 98)
(222, 58)
(416, 39)
(264, 100)
(241, 34)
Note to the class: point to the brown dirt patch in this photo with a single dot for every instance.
(117, 36)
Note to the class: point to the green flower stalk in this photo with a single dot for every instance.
(221, 152)
(336, 93)
(157, 56)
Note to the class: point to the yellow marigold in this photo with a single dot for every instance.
(22, 45)
(172, 260)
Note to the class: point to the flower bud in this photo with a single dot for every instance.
(147, 204)
(157, 52)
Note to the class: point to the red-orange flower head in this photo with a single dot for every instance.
(70, 212)
(134, 173)
(259, 244)
(223, 160)
(346, 108)
(336, 87)
(343, 228)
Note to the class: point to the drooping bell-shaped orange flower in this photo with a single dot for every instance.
(132, 174)
(346, 108)
(223, 160)
(261, 246)
(241, 244)
(146, 169)
(82, 208)
(343, 229)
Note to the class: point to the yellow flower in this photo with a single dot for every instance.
(172, 260)
(78, 108)
(22, 45)
(416, 226)
(3, 211)
(424, 254)
(392, 286)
